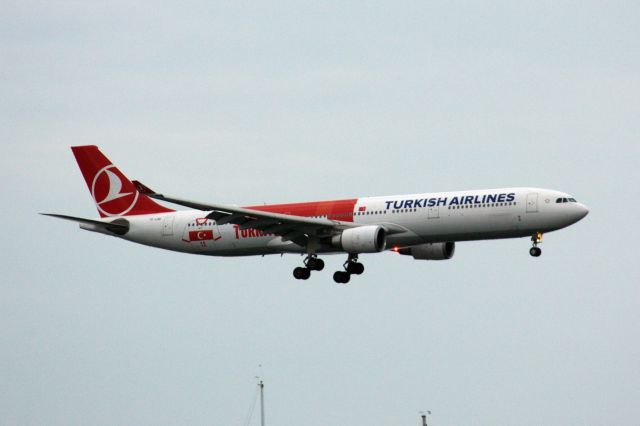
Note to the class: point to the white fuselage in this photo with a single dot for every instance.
(426, 218)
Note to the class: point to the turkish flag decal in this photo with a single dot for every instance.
(200, 235)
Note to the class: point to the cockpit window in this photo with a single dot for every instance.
(566, 200)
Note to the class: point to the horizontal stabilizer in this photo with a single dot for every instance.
(118, 226)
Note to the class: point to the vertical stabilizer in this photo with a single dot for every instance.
(112, 191)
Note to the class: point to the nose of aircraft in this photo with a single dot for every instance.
(580, 211)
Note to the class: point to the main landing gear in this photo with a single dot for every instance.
(311, 263)
(351, 266)
(536, 251)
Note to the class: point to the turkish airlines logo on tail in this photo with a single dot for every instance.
(108, 192)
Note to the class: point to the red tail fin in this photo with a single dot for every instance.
(112, 192)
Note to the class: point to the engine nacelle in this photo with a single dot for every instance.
(364, 239)
(430, 251)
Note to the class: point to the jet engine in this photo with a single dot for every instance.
(430, 251)
(364, 239)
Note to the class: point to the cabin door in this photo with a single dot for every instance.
(433, 212)
(532, 202)
(167, 226)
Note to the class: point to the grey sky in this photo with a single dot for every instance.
(250, 102)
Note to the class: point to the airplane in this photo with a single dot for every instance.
(425, 226)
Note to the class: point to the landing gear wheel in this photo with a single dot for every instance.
(341, 277)
(355, 268)
(535, 251)
(315, 264)
(301, 273)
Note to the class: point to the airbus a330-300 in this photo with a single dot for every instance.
(424, 226)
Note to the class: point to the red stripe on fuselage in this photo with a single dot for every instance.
(335, 209)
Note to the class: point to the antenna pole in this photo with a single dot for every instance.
(261, 384)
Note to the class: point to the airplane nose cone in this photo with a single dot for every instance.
(581, 211)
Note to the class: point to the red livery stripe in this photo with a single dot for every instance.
(334, 209)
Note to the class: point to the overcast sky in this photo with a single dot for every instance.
(250, 102)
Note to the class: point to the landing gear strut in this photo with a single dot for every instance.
(536, 251)
(351, 266)
(311, 263)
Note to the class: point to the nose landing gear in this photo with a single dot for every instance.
(351, 266)
(311, 263)
(536, 251)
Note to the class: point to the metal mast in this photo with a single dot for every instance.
(261, 384)
(424, 414)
